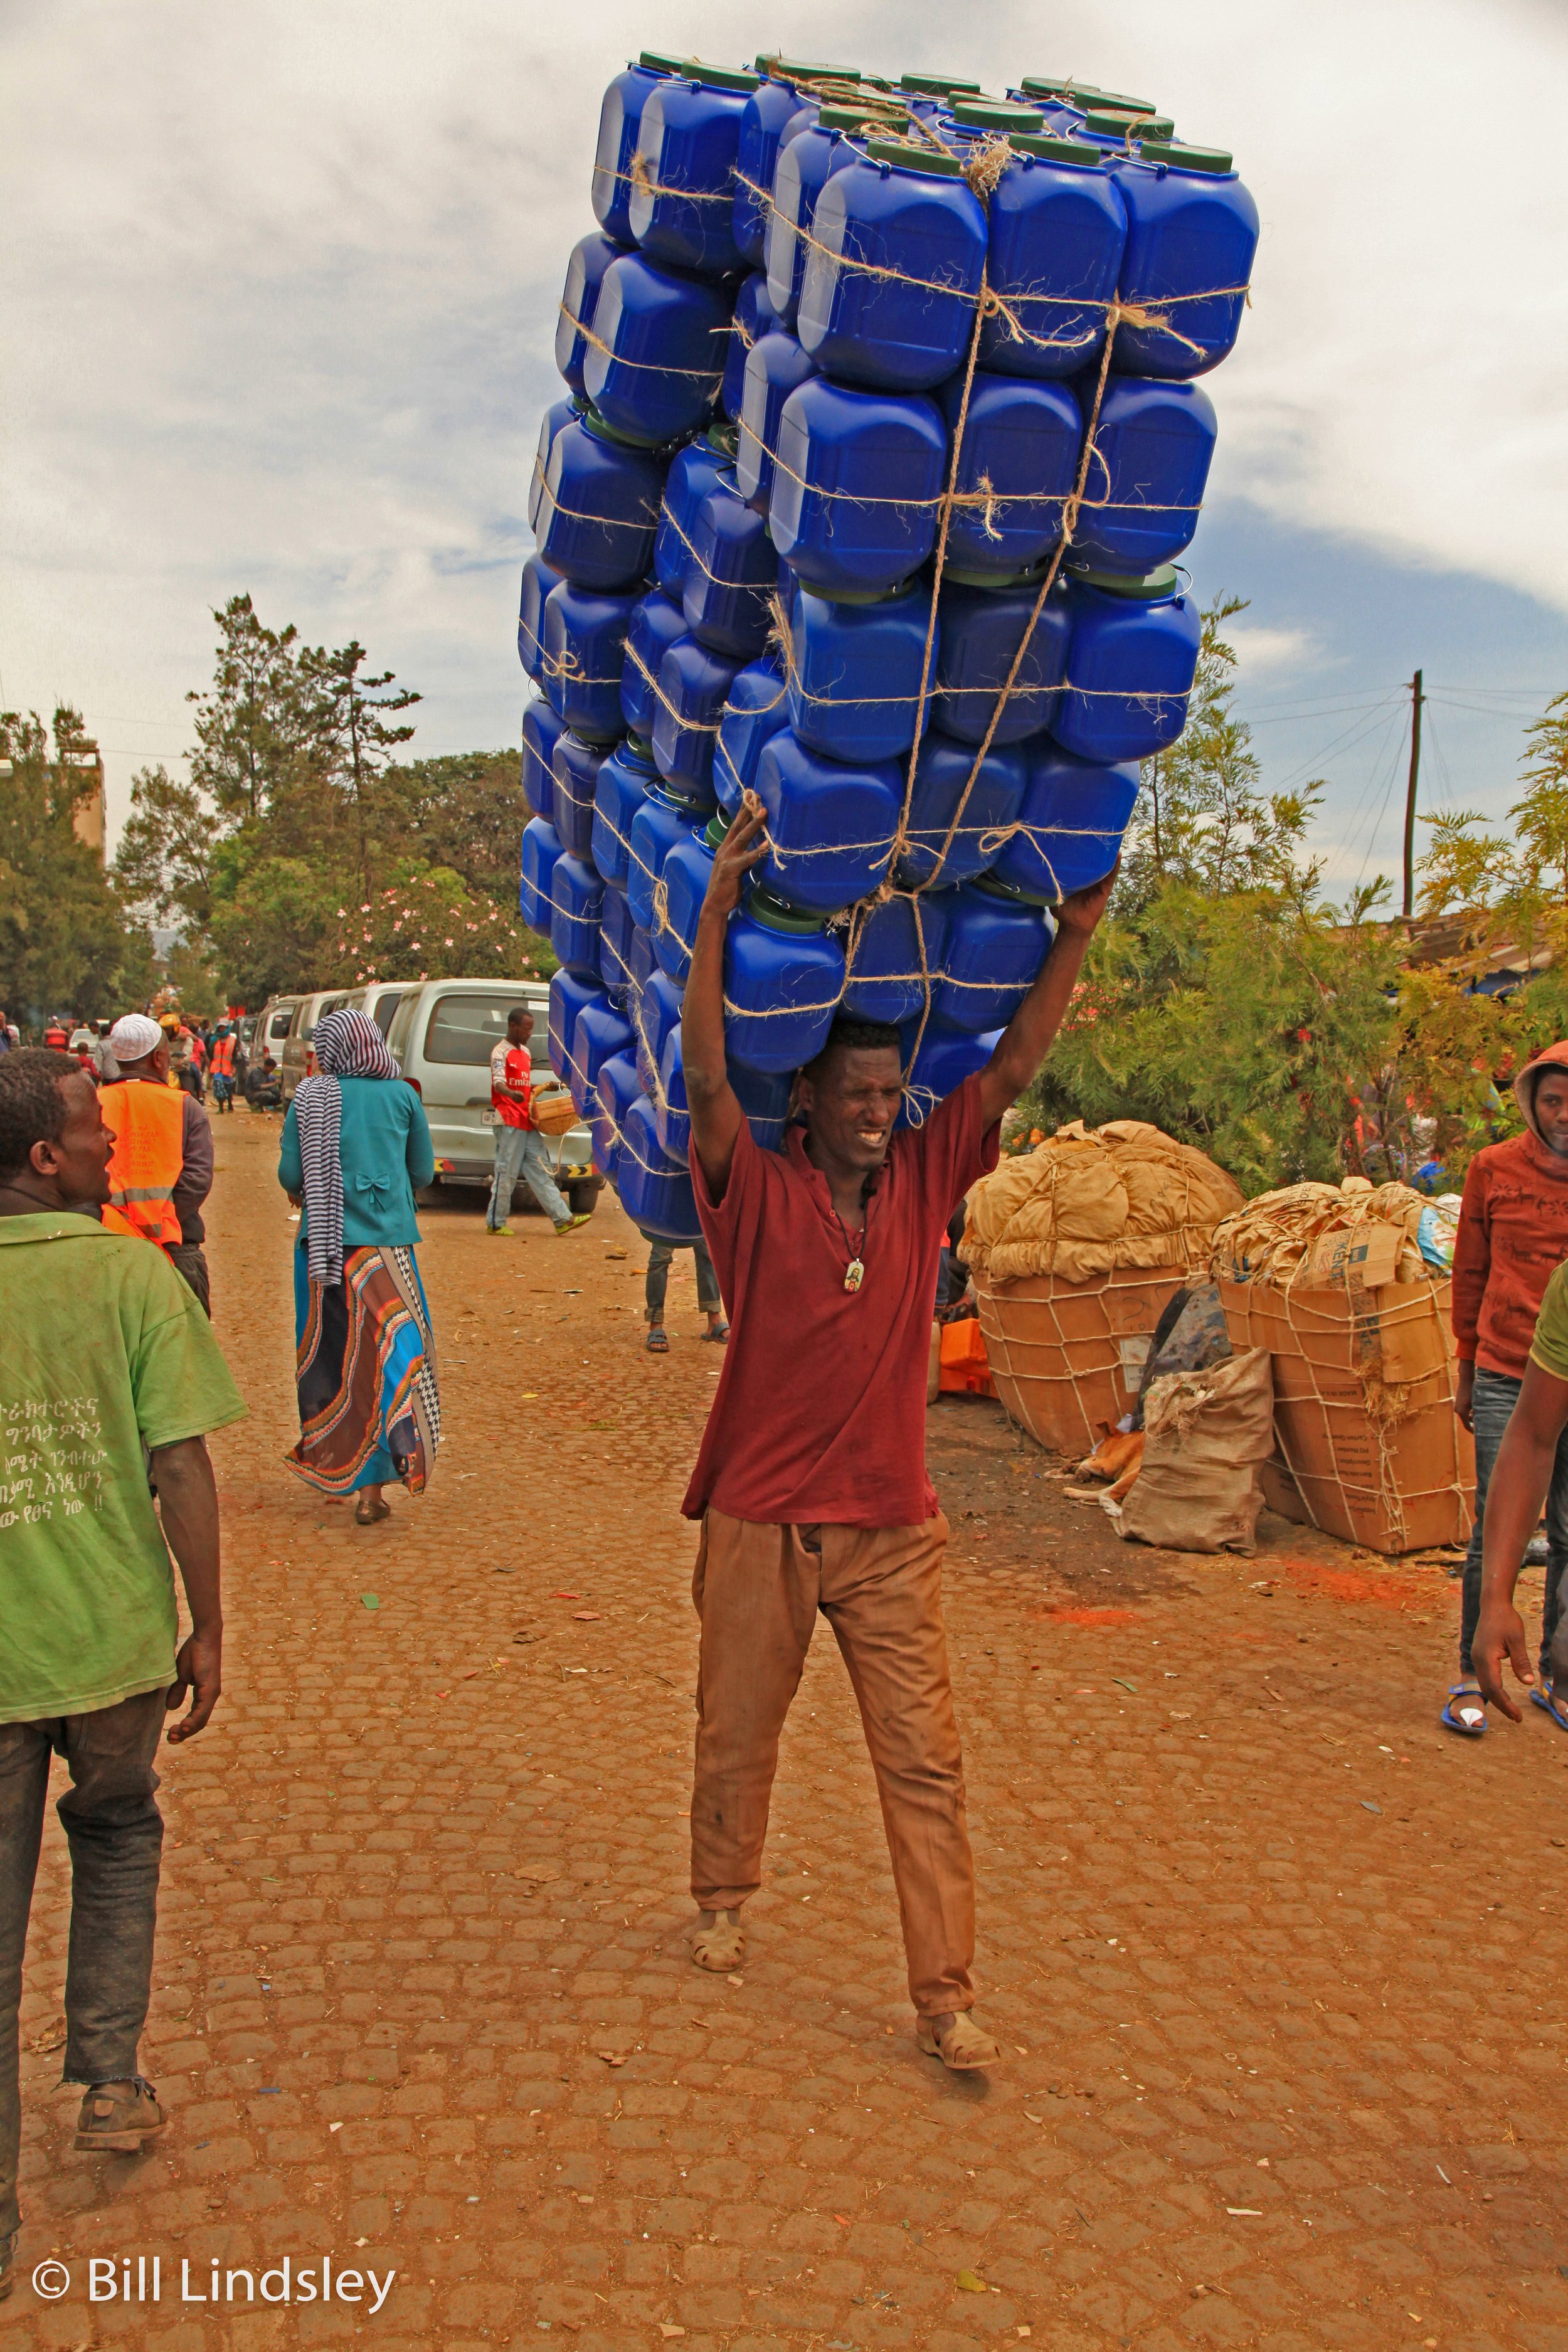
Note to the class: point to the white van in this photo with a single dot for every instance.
(378, 1002)
(282, 1045)
(442, 1034)
(264, 1054)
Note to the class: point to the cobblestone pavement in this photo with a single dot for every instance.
(1283, 2022)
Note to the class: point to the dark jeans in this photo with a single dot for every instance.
(111, 1817)
(658, 1257)
(1496, 1394)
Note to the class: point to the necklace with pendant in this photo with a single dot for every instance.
(855, 1272)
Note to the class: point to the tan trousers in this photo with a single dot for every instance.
(757, 1591)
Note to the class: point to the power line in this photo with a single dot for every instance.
(1389, 747)
(1335, 711)
(1341, 744)
(1440, 761)
(1310, 701)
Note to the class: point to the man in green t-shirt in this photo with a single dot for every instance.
(1520, 1481)
(108, 1374)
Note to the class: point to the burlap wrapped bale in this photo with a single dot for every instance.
(1087, 1201)
(1206, 1435)
(1076, 1248)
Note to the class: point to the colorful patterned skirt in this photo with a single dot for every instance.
(366, 1374)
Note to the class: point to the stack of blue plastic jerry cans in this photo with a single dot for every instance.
(778, 386)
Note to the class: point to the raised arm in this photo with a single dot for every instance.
(1515, 1493)
(709, 1098)
(1028, 1036)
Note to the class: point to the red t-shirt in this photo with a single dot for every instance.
(511, 1065)
(819, 1416)
(1513, 1237)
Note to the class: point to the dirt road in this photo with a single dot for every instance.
(1284, 2022)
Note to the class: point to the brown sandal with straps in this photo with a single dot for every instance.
(958, 2042)
(720, 1944)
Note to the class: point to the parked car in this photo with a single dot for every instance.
(297, 1060)
(442, 1034)
(378, 1002)
(264, 1052)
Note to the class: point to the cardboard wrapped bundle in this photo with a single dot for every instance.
(1356, 1323)
(1076, 1248)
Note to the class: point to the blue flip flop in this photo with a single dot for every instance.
(1544, 1695)
(1452, 1722)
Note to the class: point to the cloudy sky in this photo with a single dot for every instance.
(278, 292)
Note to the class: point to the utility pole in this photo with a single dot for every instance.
(1416, 699)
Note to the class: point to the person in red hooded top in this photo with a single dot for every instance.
(1512, 1236)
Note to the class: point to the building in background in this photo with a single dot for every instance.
(86, 760)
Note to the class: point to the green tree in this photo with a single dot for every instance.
(1202, 819)
(253, 724)
(1241, 1023)
(1463, 866)
(163, 865)
(426, 924)
(1510, 887)
(353, 742)
(1542, 815)
(298, 807)
(66, 941)
(273, 921)
(194, 978)
(465, 811)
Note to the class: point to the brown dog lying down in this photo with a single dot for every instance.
(1117, 1459)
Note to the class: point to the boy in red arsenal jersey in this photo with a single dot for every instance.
(811, 1485)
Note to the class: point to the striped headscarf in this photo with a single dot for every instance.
(347, 1045)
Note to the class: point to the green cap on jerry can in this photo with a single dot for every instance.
(797, 69)
(986, 114)
(937, 85)
(1179, 158)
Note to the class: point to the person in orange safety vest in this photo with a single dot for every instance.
(220, 1066)
(160, 1169)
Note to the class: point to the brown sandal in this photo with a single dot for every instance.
(720, 1945)
(959, 2044)
(368, 1514)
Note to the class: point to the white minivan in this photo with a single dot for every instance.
(379, 1001)
(264, 1056)
(298, 1058)
(442, 1034)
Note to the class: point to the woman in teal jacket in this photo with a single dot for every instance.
(356, 1146)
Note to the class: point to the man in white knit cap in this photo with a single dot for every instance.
(162, 1167)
